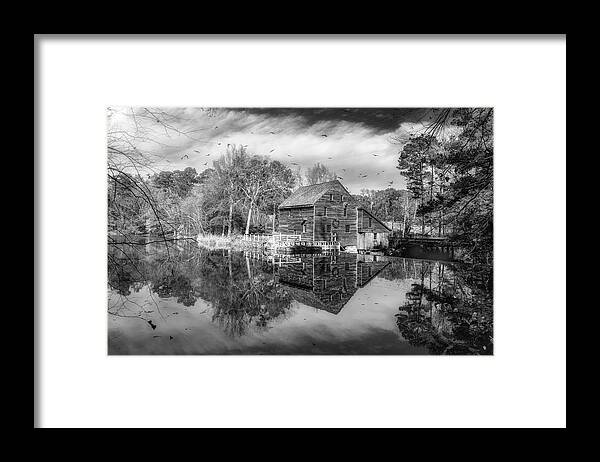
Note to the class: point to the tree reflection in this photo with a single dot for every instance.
(444, 313)
(448, 309)
(242, 292)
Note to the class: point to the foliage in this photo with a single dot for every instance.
(452, 179)
(387, 204)
(319, 173)
(177, 181)
(239, 192)
(446, 311)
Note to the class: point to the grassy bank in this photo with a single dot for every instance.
(216, 241)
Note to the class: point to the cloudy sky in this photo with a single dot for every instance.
(359, 144)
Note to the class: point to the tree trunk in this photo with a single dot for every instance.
(230, 218)
(422, 220)
(404, 218)
(249, 216)
(414, 215)
(274, 210)
(248, 268)
(442, 227)
(431, 225)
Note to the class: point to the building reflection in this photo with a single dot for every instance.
(327, 282)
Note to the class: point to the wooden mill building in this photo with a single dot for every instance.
(328, 212)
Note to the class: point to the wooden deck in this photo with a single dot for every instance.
(289, 243)
(425, 240)
(442, 244)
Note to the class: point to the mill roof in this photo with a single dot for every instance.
(308, 195)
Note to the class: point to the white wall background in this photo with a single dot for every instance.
(522, 385)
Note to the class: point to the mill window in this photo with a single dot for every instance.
(347, 228)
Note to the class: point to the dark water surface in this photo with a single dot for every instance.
(184, 300)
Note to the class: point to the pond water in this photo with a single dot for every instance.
(180, 299)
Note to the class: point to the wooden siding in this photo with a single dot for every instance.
(375, 225)
(291, 220)
(344, 227)
(371, 232)
(367, 241)
(357, 228)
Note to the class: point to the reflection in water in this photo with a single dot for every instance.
(444, 314)
(328, 282)
(184, 300)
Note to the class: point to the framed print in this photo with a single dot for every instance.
(307, 231)
(300, 231)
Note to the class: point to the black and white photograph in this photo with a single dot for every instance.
(311, 231)
(245, 231)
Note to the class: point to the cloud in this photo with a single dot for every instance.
(360, 145)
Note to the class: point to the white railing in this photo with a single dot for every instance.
(327, 245)
(280, 237)
(286, 237)
(290, 240)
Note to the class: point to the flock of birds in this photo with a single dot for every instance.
(323, 135)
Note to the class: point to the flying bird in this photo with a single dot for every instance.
(207, 155)
(294, 163)
(340, 178)
(196, 151)
(185, 156)
(375, 155)
(205, 163)
(272, 150)
(289, 155)
(218, 144)
(324, 136)
(330, 157)
(272, 133)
